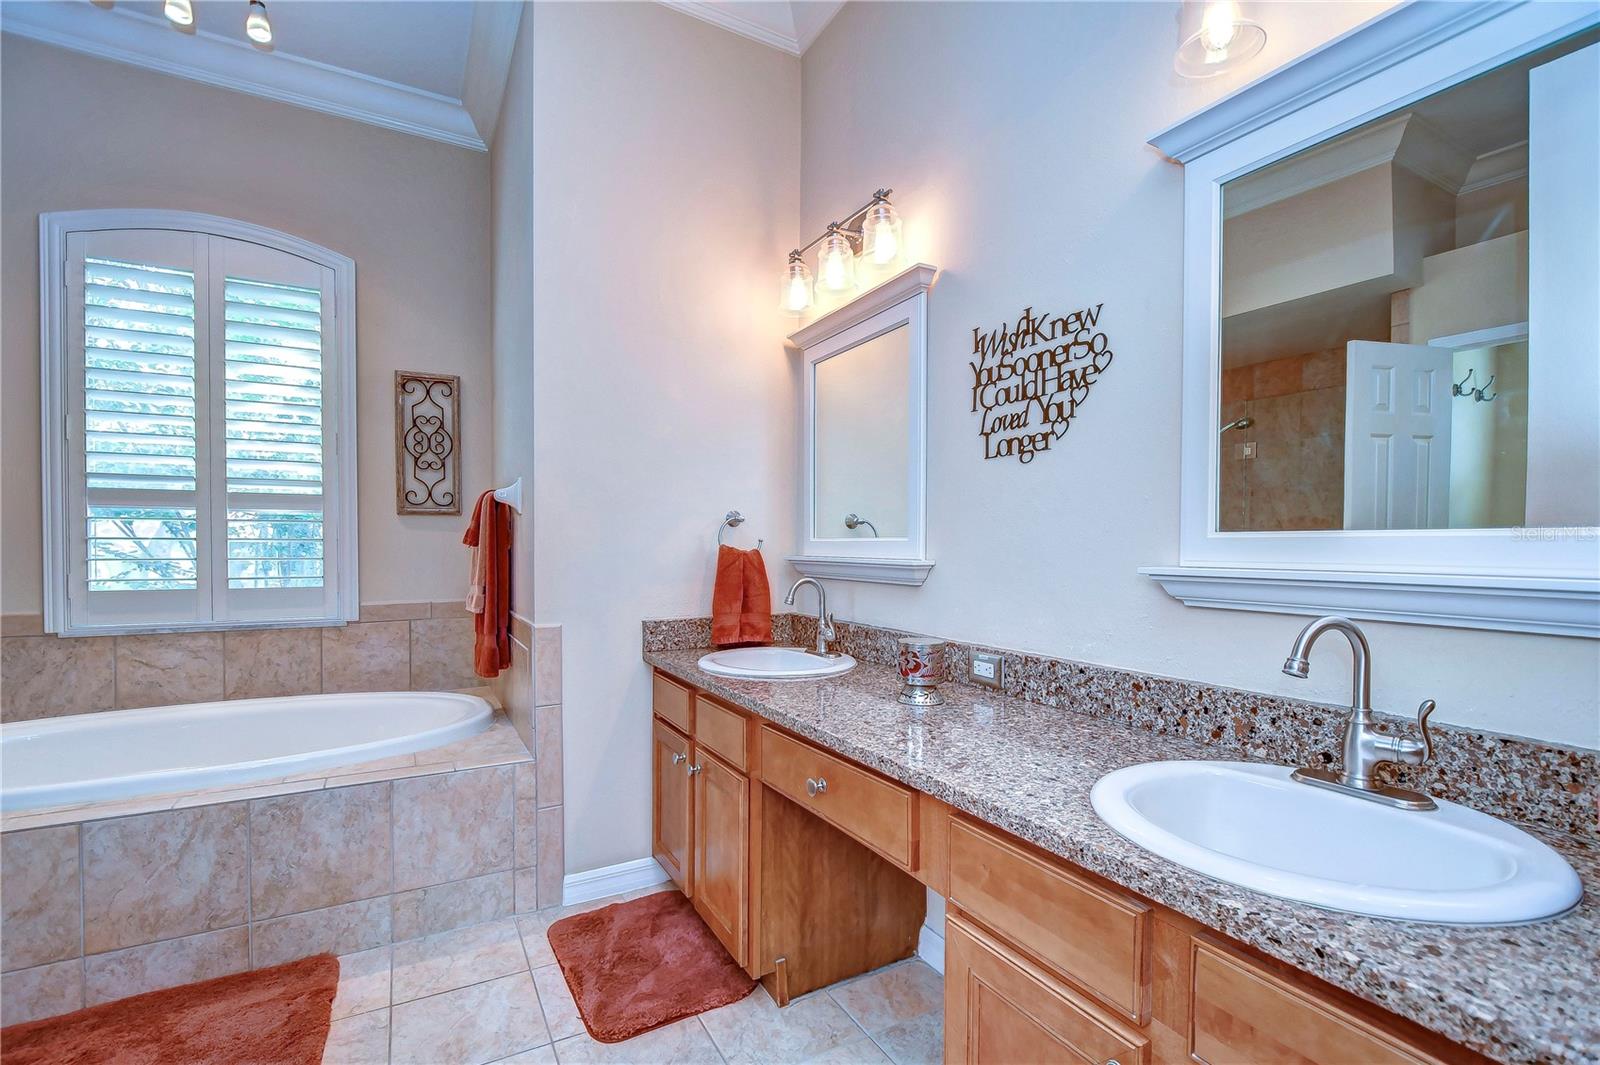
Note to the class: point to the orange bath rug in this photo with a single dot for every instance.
(639, 965)
(276, 1016)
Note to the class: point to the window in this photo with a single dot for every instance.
(199, 415)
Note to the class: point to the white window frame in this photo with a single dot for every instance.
(339, 417)
(1544, 581)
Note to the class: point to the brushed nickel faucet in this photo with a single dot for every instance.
(825, 630)
(1365, 749)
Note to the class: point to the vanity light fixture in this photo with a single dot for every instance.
(869, 235)
(179, 12)
(1225, 39)
(256, 26)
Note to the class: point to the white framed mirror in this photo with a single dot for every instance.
(863, 484)
(1391, 380)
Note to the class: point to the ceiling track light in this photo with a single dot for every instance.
(256, 26)
(868, 237)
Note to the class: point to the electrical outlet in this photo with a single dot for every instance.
(987, 669)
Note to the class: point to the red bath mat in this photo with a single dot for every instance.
(276, 1016)
(639, 965)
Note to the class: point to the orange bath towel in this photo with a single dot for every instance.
(490, 533)
(741, 602)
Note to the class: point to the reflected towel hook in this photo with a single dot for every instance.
(732, 520)
(853, 521)
(511, 495)
(1478, 393)
(1460, 388)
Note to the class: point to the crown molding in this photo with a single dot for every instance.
(720, 16)
(490, 48)
(143, 41)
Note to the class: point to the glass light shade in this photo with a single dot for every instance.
(179, 12)
(836, 264)
(795, 296)
(256, 26)
(880, 234)
(1225, 39)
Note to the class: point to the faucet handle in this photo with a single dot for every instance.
(827, 627)
(1423, 713)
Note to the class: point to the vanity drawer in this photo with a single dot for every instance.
(874, 810)
(1000, 1009)
(1243, 1013)
(671, 702)
(1096, 937)
(722, 730)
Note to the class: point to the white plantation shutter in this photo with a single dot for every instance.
(202, 410)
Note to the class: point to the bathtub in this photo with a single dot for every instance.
(117, 754)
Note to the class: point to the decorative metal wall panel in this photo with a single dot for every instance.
(1029, 377)
(427, 419)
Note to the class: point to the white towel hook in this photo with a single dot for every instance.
(511, 495)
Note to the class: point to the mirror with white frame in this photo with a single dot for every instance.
(864, 368)
(1391, 345)
(1375, 369)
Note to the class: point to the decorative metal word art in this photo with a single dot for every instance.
(427, 416)
(1029, 377)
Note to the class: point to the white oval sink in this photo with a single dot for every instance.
(1250, 825)
(774, 663)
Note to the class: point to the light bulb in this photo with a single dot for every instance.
(880, 234)
(1219, 25)
(836, 264)
(795, 296)
(256, 26)
(179, 12)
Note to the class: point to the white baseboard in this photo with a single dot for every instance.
(611, 880)
(930, 948)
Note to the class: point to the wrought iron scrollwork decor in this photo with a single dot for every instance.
(1029, 377)
(427, 448)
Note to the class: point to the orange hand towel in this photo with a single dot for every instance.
(490, 533)
(741, 602)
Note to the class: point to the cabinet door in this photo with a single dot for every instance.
(1001, 1010)
(671, 835)
(721, 850)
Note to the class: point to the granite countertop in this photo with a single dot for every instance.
(1526, 993)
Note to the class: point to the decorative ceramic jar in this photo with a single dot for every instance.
(921, 669)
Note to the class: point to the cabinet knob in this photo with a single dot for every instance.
(693, 770)
(816, 787)
(679, 759)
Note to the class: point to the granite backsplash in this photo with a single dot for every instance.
(1513, 777)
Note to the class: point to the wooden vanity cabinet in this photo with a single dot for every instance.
(721, 851)
(672, 808)
(700, 823)
(810, 868)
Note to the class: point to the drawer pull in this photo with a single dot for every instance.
(817, 786)
(694, 769)
(679, 759)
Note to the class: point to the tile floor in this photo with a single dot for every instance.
(493, 993)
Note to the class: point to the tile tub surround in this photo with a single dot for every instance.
(1523, 993)
(1513, 777)
(393, 647)
(118, 898)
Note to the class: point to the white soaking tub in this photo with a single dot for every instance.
(117, 754)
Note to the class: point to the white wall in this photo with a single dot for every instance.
(666, 177)
(511, 226)
(1014, 136)
(80, 132)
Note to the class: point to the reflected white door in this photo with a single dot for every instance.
(1396, 436)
